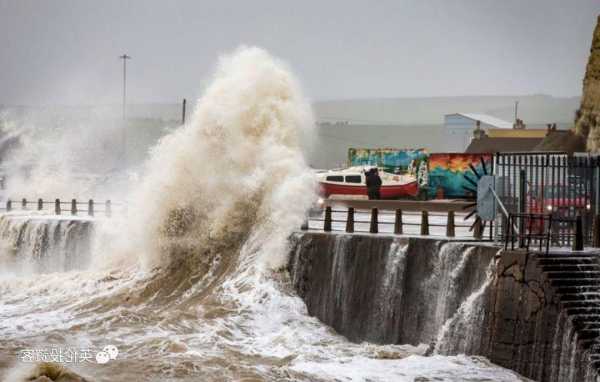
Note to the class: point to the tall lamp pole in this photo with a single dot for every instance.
(124, 57)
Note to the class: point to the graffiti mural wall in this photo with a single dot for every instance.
(392, 160)
(447, 171)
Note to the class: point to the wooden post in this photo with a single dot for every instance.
(424, 223)
(108, 208)
(40, 204)
(374, 221)
(478, 229)
(578, 241)
(91, 207)
(398, 222)
(350, 220)
(57, 206)
(450, 227)
(304, 225)
(327, 222)
(24, 203)
(596, 231)
(73, 207)
(8, 205)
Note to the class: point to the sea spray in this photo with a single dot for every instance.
(50, 152)
(218, 202)
(236, 169)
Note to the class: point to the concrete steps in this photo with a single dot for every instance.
(574, 274)
(576, 280)
(580, 281)
(576, 289)
(571, 267)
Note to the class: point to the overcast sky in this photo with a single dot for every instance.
(57, 52)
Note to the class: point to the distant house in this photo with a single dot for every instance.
(517, 139)
(487, 144)
(480, 133)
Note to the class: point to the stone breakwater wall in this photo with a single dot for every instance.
(458, 297)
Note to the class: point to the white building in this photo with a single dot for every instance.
(460, 126)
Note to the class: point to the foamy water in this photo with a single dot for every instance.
(191, 285)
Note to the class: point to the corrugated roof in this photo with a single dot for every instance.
(487, 119)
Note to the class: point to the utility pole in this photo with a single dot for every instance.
(124, 57)
(516, 110)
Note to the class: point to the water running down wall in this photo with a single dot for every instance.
(390, 290)
(43, 244)
(458, 297)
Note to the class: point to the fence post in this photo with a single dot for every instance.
(424, 223)
(91, 207)
(398, 223)
(108, 208)
(549, 234)
(450, 231)
(478, 229)
(73, 207)
(596, 231)
(40, 204)
(57, 206)
(24, 204)
(578, 241)
(522, 206)
(304, 225)
(374, 221)
(327, 221)
(8, 205)
(350, 220)
(506, 231)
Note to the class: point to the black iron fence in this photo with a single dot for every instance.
(561, 186)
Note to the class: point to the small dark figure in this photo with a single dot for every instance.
(373, 182)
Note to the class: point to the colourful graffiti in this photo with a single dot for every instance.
(447, 171)
(392, 160)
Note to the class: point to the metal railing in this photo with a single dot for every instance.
(538, 232)
(74, 207)
(398, 209)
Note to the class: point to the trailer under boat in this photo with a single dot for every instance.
(352, 181)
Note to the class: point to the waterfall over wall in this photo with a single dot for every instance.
(42, 244)
(391, 290)
(461, 298)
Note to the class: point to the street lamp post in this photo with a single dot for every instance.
(124, 57)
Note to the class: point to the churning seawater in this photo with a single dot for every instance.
(191, 285)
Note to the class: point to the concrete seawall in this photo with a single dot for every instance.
(38, 243)
(459, 297)
(532, 331)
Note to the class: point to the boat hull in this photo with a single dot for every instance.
(387, 191)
